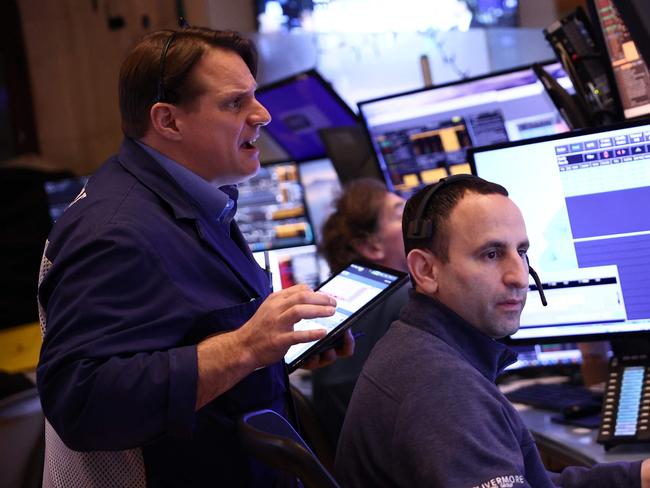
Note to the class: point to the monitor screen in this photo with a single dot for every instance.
(584, 197)
(531, 356)
(630, 71)
(61, 192)
(271, 210)
(322, 187)
(293, 266)
(301, 105)
(423, 135)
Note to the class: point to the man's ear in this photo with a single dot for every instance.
(370, 249)
(163, 121)
(423, 267)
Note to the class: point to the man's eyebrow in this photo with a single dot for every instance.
(501, 245)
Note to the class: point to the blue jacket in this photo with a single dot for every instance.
(426, 412)
(133, 277)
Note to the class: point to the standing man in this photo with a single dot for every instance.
(426, 410)
(159, 330)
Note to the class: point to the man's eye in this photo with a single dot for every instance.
(491, 254)
(236, 103)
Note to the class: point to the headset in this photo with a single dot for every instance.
(420, 228)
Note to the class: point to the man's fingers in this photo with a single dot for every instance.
(307, 335)
(297, 312)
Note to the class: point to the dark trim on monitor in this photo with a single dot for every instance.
(575, 133)
(463, 81)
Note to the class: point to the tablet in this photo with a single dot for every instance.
(357, 289)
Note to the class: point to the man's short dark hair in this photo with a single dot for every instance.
(140, 72)
(439, 208)
(355, 219)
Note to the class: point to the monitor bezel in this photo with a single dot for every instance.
(313, 73)
(599, 336)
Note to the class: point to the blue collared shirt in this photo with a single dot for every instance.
(216, 202)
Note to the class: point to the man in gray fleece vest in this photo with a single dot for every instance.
(426, 410)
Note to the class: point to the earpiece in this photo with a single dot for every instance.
(538, 283)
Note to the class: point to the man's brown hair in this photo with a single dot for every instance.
(140, 80)
(438, 209)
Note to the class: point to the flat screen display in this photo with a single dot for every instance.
(300, 106)
(630, 70)
(271, 209)
(422, 136)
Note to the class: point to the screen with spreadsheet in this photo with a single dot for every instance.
(423, 135)
(271, 209)
(585, 198)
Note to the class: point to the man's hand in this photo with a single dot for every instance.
(344, 349)
(225, 359)
(270, 332)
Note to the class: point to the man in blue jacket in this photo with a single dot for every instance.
(159, 326)
(426, 410)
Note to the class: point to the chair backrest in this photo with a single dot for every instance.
(270, 438)
(22, 440)
(312, 429)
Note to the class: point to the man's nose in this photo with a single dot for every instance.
(516, 272)
(260, 116)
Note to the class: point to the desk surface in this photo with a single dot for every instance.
(576, 444)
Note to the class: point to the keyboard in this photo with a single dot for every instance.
(553, 396)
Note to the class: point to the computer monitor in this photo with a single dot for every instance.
(350, 152)
(271, 209)
(630, 70)
(545, 356)
(584, 197)
(61, 192)
(301, 105)
(636, 16)
(292, 266)
(322, 187)
(577, 44)
(421, 136)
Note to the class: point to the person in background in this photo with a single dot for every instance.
(159, 327)
(426, 410)
(367, 225)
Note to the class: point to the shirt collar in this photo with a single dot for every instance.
(481, 351)
(216, 202)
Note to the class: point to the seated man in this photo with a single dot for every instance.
(426, 411)
(366, 225)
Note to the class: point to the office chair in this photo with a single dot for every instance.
(22, 439)
(312, 429)
(270, 438)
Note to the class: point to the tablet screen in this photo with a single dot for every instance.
(356, 289)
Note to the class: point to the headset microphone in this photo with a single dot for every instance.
(538, 283)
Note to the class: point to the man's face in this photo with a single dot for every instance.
(218, 127)
(485, 279)
(389, 233)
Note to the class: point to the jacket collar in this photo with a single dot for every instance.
(232, 247)
(488, 356)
